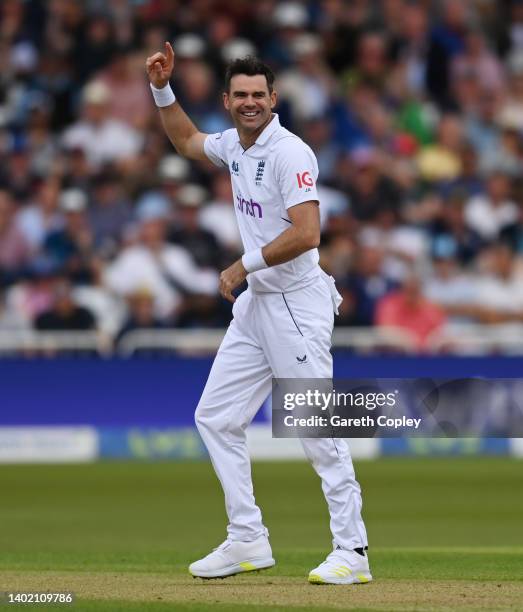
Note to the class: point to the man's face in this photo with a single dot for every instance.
(249, 101)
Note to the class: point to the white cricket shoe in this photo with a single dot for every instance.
(233, 557)
(342, 567)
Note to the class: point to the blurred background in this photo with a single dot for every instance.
(111, 244)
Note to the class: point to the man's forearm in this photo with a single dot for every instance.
(182, 132)
(288, 245)
(178, 127)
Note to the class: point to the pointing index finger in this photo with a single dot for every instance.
(169, 51)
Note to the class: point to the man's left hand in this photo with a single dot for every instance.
(232, 278)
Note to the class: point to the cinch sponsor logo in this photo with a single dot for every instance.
(249, 207)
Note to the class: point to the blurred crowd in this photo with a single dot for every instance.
(413, 108)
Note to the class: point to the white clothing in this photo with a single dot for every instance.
(109, 311)
(268, 333)
(219, 218)
(138, 268)
(277, 172)
(333, 203)
(488, 220)
(281, 327)
(33, 224)
(110, 141)
(502, 295)
(309, 96)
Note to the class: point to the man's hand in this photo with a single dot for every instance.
(160, 67)
(232, 278)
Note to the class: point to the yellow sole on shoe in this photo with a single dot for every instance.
(315, 579)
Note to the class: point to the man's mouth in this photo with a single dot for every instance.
(249, 113)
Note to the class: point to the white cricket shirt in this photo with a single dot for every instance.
(277, 172)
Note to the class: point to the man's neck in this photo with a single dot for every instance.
(247, 140)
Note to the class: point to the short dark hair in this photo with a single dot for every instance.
(251, 66)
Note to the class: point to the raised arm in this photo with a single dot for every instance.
(182, 132)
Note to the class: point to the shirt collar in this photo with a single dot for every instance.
(269, 130)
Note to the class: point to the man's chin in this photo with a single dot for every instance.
(252, 126)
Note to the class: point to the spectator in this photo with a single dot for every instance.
(64, 313)
(490, 213)
(308, 85)
(187, 231)
(110, 212)
(71, 248)
(198, 95)
(451, 231)
(371, 62)
(366, 285)
(41, 217)
(412, 47)
(173, 171)
(448, 286)
(129, 97)
(100, 137)
(15, 249)
(441, 161)
(218, 216)
(141, 313)
(371, 195)
(33, 293)
(479, 60)
(408, 310)
(95, 48)
(447, 40)
(318, 133)
(166, 270)
(510, 113)
(500, 286)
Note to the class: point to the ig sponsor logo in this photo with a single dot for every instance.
(304, 180)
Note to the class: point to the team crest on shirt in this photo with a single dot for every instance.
(235, 168)
(259, 172)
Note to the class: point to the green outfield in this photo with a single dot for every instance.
(444, 533)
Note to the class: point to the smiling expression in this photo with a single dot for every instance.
(250, 104)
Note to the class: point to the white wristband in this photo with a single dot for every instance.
(163, 97)
(253, 261)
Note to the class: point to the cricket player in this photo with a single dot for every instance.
(282, 324)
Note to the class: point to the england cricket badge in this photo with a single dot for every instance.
(259, 172)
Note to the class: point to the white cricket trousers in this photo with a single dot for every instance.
(267, 335)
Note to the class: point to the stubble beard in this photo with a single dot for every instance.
(249, 131)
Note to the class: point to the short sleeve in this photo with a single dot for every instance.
(296, 171)
(215, 150)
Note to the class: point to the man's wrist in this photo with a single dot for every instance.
(164, 96)
(253, 261)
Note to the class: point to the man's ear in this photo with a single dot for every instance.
(274, 99)
(225, 97)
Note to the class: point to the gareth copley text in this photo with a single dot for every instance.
(365, 421)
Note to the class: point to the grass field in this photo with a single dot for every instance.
(444, 534)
